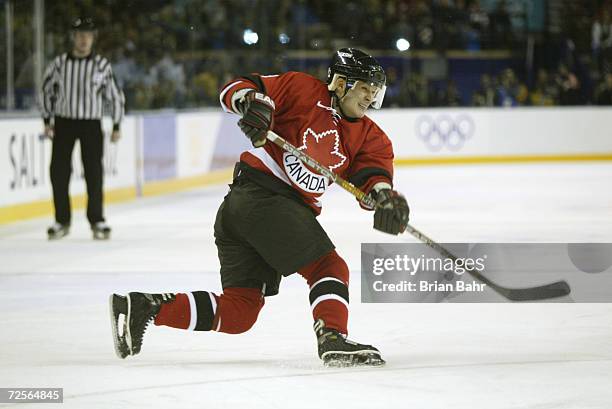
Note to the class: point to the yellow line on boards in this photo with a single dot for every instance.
(501, 159)
(41, 208)
(31, 210)
(177, 185)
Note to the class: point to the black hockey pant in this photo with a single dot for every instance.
(89, 133)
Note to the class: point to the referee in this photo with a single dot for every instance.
(75, 87)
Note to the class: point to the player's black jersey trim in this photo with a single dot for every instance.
(361, 176)
(256, 79)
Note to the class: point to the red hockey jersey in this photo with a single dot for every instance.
(357, 150)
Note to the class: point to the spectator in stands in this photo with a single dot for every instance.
(544, 92)
(602, 41)
(205, 30)
(569, 86)
(169, 80)
(449, 96)
(485, 95)
(127, 72)
(479, 22)
(214, 23)
(394, 88)
(603, 93)
(510, 92)
(376, 35)
(417, 17)
(125, 68)
(415, 91)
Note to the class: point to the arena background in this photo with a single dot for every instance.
(499, 113)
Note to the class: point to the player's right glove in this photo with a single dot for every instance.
(392, 211)
(257, 111)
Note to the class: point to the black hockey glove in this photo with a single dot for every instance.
(391, 214)
(257, 111)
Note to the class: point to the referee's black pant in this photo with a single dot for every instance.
(89, 133)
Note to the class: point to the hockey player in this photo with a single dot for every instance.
(266, 226)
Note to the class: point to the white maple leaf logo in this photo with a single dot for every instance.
(327, 141)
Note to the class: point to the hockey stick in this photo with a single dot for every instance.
(553, 290)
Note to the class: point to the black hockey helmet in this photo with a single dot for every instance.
(83, 24)
(355, 65)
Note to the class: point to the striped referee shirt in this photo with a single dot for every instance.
(77, 88)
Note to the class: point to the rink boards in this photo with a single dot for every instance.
(168, 151)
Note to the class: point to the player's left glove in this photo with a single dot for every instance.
(392, 211)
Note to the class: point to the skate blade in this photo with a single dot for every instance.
(118, 306)
(347, 360)
(128, 316)
(99, 235)
(57, 236)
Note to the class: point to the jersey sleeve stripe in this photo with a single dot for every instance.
(361, 176)
(222, 95)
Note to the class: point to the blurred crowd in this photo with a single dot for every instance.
(179, 53)
(160, 62)
(551, 88)
(317, 24)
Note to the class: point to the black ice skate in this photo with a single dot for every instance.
(337, 351)
(101, 231)
(130, 316)
(57, 231)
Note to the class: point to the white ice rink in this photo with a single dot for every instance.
(55, 330)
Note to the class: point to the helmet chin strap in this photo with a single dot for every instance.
(333, 86)
(337, 100)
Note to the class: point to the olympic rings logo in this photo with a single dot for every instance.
(444, 131)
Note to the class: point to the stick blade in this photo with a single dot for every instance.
(545, 292)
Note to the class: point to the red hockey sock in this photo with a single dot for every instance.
(175, 314)
(238, 309)
(328, 280)
(334, 313)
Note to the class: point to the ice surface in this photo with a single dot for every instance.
(55, 330)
